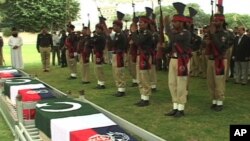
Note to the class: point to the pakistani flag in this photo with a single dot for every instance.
(71, 120)
(34, 95)
(9, 73)
(11, 86)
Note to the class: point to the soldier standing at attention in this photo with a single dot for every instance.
(143, 38)
(71, 51)
(180, 54)
(44, 45)
(84, 48)
(119, 48)
(99, 41)
(216, 66)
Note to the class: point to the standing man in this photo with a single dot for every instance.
(119, 47)
(56, 49)
(1, 51)
(15, 43)
(43, 45)
(63, 49)
(216, 66)
(180, 53)
(241, 54)
(84, 48)
(71, 51)
(143, 38)
(99, 41)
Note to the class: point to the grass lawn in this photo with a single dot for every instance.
(199, 123)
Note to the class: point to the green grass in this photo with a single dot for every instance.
(199, 124)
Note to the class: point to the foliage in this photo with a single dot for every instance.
(234, 20)
(6, 32)
(31, 15)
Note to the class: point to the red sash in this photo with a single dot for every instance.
(120, 59)
(98, 57)
(218, 61)
(183, 59)
(144, 61)
(85, 55)
(69, 48)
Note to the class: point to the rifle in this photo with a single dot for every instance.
(88, 21)
(161, 24)
(212, 11)
(135, 19)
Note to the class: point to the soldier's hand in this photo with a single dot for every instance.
(212, 29)
(133, 28)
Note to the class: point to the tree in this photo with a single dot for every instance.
(32, 15)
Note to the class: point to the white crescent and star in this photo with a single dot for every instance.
(75, 106)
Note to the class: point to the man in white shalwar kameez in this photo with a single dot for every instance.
(15, 43)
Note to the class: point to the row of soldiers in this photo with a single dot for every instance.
(142, 46)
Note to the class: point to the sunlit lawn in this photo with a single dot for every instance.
(199, 124)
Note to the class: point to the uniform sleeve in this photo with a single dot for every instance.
(37, 42)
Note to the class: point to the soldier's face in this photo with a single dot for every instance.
(116, 28)
(142, 24)
(177, 24)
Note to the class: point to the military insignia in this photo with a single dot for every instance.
(116, 38)
(98, 60)
(182, 33)
(99, 137)
(118, 136)
(223, 39)
(75, 106)
(182, 68)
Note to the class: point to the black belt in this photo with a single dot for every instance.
(174, 57)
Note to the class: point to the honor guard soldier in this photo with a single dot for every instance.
(71, 51)
(195, 43)
(143, 38)
(119, 48)
(44, 45)
(216, 66)
(132, 54)
(99, 41)
(84, 49)
(180, 53)
(155, 39)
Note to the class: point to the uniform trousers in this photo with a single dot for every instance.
(203, 64)
(153, 77)
(132, 68)
(72, 64)
(45, 57)
(118, 74)
(85, 71)
(99, 72)
(216, 83)
(194, 68)
(177, 84)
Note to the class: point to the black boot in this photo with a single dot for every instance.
(179, 114)
(171, 113)
(119, 94)
(213, 106)
(218, 108)
(142, 103)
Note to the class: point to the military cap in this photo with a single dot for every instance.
(179, 7)
(145, 19)
(192, 13)
(219, 15)
(120, 15)
(135, 19)
(149, 12)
